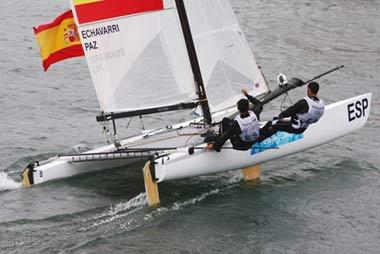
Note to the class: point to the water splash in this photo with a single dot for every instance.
(136, 222)
(79, 148)
(132, 223)
(6, 183)
(130, 210)
(137, 202)
(120, 210)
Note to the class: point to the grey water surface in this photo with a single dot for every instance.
(325, 200)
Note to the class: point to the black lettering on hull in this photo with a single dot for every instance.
(357, 109)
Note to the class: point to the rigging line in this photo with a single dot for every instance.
(270, 103)
(151, 132)
(142, 123)
(290, 99)
(106, 131)
(192, 135)
(187, 140)
(168, 129)
(129, 122)
(155, 140)
(152, 141)
(171, 129)
(283, 102)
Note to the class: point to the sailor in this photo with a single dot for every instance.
(305, 112)
(244, 129)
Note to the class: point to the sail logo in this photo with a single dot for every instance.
(70, 33)
(357, 109)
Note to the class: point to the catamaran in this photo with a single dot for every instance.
(154, 56)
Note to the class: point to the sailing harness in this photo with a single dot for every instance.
(314, 113)
(249, 126)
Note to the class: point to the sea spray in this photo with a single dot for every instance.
(119, 210)
(6, 183)
(225, 181)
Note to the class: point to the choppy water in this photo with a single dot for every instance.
(325, 200)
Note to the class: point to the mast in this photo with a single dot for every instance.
(193, 60)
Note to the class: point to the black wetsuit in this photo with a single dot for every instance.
(230, 129)
(299, 108)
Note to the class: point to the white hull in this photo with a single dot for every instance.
(179, 164)
(334, 124)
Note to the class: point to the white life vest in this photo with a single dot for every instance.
(249, 126)
(315, 112)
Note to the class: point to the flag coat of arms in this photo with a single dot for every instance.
(58, 40)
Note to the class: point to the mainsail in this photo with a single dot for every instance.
(138, 58)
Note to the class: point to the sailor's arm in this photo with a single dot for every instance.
(251, 99)
(300, 107)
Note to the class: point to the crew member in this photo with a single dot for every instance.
(244, 129)
(305, 112)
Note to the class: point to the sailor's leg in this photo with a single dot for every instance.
(267, 131)
(151, 187)
(211, 136)
(287, 127)
(226, 123)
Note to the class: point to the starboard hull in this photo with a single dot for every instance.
(339, 119)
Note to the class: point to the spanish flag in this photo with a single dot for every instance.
(97, 10)
(58, 40)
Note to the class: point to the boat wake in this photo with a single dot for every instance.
(121, 210)
(6, 183)
(134, 213)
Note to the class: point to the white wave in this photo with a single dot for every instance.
(139, 201)
(228, 181)
(179, 205)
(176, 206)
(6, 183)
(233, 177)
(120, 210)
(79, 148)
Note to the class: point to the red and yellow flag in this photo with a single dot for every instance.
(59, 40)
(95, 10)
